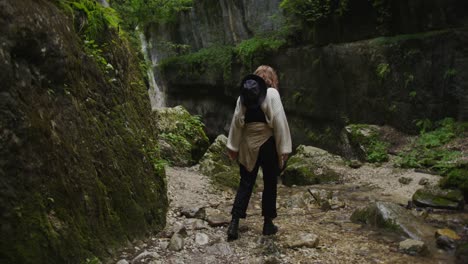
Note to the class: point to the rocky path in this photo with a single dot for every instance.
(309, 233)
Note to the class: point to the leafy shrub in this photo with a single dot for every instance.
(257, 46)
(314, 10)
(91, 19)
(375, 149)
(308, 10)
(457, 178)
(428, 152)
(208, 59)
(143, 12)
(383, 69)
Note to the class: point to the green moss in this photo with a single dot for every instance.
(215, 164)
(450, 199)
(184, 133)
(383, 69)
(93, 19)
(229, 179)
(144, 12)
(405, 37)
(214, 60)
(300, 172)
(253, 50)
(83, 182)
(370, 216)
(309, 11)
(457, 178)
(428, 150)
(368, 137)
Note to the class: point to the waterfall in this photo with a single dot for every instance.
(104, 3)
(156, 94)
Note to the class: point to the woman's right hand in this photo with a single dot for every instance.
(232, 154)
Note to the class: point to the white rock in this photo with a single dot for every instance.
(177, 243)
(164, 244)
(302, 240)
(202, 239)
(222, 249)
(200, 224)
(412, 247)
(145, 254)
(122, 261)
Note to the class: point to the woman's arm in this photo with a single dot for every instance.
(235, 131)
(279, 123)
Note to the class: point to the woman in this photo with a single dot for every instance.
(259, 137)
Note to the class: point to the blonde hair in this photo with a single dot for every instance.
(269, 75)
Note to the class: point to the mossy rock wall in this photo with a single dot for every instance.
(78, 141)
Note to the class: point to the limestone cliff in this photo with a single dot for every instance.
(79, 174)
(381, 62)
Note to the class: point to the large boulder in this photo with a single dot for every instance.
(215, 164)
(311, 165)
(181, 136)
(366, 143)
(438, 198)
(394, 218)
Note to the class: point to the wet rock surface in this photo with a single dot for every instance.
(311, 165)
(312, 227)
(393, 217)
(438, 198)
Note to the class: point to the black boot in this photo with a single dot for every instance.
(233, 229)
(268, 227)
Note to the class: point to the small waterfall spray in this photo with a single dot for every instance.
(156, 94)
(104, 3)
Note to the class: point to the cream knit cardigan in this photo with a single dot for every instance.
(275, 117)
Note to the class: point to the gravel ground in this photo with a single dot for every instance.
(199, 214)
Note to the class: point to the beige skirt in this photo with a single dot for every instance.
(254, 135)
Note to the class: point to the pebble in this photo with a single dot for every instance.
(222, 249)
(424, 181)
(177, 243)
(201, 239)
(122, 261)
(145, 254)
(448, 233)
(193, 212)
(215, 218)
(405, 180)
(164, 244)
(302, 240)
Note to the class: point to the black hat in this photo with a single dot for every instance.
(253, 91)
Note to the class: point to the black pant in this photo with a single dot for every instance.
(268, 160)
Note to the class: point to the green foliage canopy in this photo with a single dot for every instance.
(144, 12)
